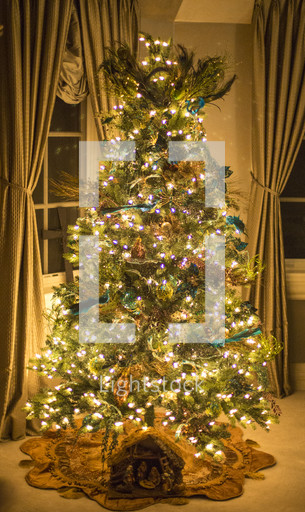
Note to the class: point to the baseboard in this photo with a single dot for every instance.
(297, 373)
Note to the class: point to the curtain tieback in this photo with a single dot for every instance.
(273, 192)
(16, 186)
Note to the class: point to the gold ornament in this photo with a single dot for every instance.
(167, 229)
(165, 291)
(121, 388)
(96, 365)
(138, 250)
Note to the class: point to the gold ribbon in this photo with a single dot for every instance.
(270, 190)
(16, 186)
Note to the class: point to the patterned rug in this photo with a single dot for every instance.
(74, 467)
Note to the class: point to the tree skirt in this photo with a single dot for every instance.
(74, 467)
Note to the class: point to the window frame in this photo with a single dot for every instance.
(295, 267)
(45, 206)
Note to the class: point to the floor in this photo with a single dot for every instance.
(283, 490)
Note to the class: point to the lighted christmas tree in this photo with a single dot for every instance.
(151, 223)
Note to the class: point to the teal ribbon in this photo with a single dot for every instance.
(236, 221)
(246, 333)
(143, 207)
(194, 111)
(88, 304)
(241, 246)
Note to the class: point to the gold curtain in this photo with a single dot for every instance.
(105, 23)
(32, 48)
(278, 129)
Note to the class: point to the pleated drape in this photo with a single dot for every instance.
(105, 23)
(72, 86)
(278, 129)
(32, 46)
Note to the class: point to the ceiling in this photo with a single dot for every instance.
(165, 10)
(198, 11)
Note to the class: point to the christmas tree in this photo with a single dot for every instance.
(151, 222)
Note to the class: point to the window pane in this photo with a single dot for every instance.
(39, 220)
(62, 156)
(56, 262)
(66, 117)
(293, 218)
(296, 314)
(38, 192)
(296, 182)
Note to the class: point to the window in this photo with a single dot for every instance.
(293, 214)
(67, 128)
